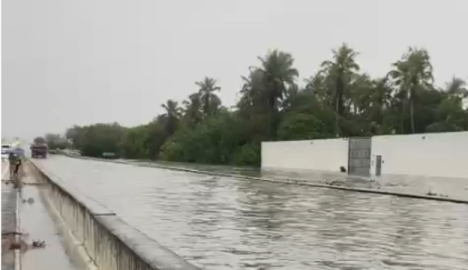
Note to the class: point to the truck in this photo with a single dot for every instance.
(39, 148)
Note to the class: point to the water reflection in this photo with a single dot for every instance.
(223, 223)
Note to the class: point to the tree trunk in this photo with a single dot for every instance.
(339, 101)
(207, 104)
(269, 124)
(412, 115)
(337, 126)
(411, 100)
(403, 117)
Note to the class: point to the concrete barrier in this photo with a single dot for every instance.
(108, 241)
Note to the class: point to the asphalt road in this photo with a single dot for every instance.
(8, 218)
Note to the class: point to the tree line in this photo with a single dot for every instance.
(337, 101)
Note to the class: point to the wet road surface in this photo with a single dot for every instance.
(38, 223)
(224, 223)
(8, 219)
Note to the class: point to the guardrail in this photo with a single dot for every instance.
(109, 241)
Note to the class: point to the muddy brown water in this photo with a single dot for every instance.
(226, 223)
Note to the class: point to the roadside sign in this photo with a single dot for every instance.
(108, 154)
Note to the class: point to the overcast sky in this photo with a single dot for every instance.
(87, 61)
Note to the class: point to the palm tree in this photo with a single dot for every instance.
(373, 100)
(278, 72)
(316, 84)
(457, 87)
(193, 106)
(251, 91)
(210, 101)
(291, 93)
(410, 73)
(172, 115)
(360, 89)
(339, 73)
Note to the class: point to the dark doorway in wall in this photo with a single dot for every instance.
(378, 165)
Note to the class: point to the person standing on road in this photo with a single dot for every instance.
(11, 162)
(15, 165)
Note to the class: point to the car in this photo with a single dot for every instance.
(6, 148)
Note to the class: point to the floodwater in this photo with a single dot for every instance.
(226, 223)
(455, 188)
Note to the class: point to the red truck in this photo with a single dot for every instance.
(39, 148)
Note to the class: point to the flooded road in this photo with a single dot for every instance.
(225, 223)
(455, 188)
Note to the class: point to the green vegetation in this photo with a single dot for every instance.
(338, 100)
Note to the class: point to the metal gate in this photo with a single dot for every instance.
(359, 156)
(378, 166)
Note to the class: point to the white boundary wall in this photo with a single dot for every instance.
(319, 155)
(430, 154)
